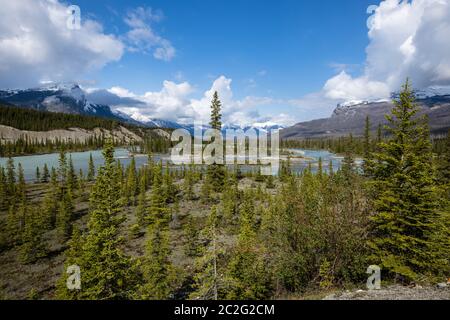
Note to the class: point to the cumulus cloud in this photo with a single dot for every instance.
(36, 45)
(407, 39)
(142, 37)
(175, 102)
(170, 103)
(240, 112)
(344, 87)
(201, 106)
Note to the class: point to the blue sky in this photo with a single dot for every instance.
(281, 61)
(288, 48)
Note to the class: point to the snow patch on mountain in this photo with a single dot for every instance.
(433, 91)
(430, 92)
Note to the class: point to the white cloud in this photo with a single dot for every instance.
(344, 87)
(170, 103)
(201, 106)
(36, 45)
(407, 39)
(122, 92)
(142, 37)
(174, 102)
(241, 112)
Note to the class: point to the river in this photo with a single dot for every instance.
(299, 161)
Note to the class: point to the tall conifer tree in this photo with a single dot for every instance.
(216, 172)
(407, 223)
(107, 273)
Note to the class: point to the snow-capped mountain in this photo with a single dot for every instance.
(266, 126)
(73, 99)
(65, 98)
(159, 123)
(433, 91)
(349, 117)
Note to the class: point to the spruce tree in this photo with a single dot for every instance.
(168, 188)
(158, 209)
(51, 200)
(216, 115)
(21, 184)
(230, 201)
(3, 189)
(215, 171)
(33, 245)
(62, 168)
(320, 167)
(71, 175)
(330, 168)
(45, 174)
(38, 175)
(64, 215)
(107, 273)
(73, 257)
(444, 164)
(367, 149)
(444, 186)
(10, 177)
(246, 275)
(91, 169)
(406, 224)
(149, 168)
(131, 181)
(348, 168)
(247, 211)
(15, 222)
(158, 271)
(142, 203)
(208, 279)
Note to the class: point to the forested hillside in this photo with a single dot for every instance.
(33, 120)
(26, 131)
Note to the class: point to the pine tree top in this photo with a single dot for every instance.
(216, 116)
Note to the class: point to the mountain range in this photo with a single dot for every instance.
(71, 98)
(346, 118)
(350, 117)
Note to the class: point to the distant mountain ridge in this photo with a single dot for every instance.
(350, 117)
(70, 98)
(65, 98)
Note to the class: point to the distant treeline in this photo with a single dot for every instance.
(340, 145)
(33, 120)
(26, 146)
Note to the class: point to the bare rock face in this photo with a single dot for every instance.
(10, 134)
(350, 118)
